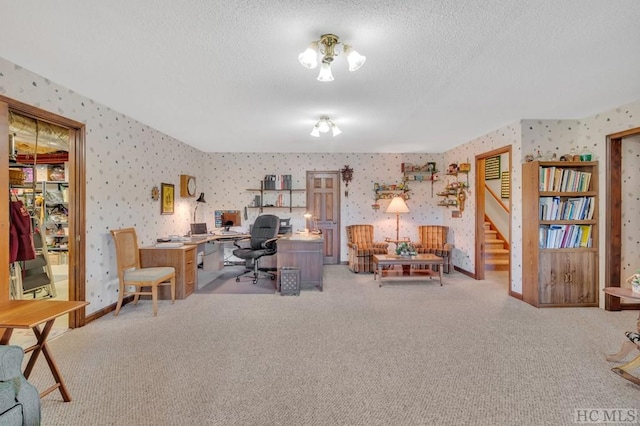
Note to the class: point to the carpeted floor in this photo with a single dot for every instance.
(226, 283)
(354, 354)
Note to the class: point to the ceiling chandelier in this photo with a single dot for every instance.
(328, 46)
(323, 126)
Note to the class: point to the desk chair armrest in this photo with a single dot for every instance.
(270, 245)
(242, 242)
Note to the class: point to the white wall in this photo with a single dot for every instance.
(125, 159)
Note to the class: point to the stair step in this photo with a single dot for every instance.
(497, 262)
(496, 251)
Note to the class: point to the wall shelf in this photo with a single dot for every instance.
(279, 195)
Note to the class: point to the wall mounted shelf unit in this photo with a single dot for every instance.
(387, 192)
(275, 198)
(425, 173)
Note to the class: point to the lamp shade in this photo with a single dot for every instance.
(397, 205)
(335, 130)
(308, 58)
(354, 59)
(325, 72)
(201, 198)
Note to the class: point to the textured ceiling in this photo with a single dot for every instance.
(224, 76)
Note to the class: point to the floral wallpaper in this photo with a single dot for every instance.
(125, 159)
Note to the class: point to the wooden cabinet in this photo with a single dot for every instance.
(560, 233)
(183, 259)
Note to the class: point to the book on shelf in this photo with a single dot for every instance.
(585, 240)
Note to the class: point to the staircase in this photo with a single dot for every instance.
(496, 250)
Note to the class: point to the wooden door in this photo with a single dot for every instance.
(614, 218)
(77, 198)
(323, 202)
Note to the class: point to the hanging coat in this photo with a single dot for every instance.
(20, 236)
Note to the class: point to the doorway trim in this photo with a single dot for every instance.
(613, 218)
(77, 198)
(480, 211)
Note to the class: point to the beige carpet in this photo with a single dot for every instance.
(355, 354)
(226, 283)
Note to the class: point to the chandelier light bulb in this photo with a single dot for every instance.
(334, 129)
(323, 125)
(325, 72)
(355, 59)
(315, 132)
(309, 58)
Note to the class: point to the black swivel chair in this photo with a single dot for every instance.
(264, 235)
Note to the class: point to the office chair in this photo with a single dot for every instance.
(262, 242)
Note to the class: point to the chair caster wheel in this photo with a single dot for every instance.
(237, 280)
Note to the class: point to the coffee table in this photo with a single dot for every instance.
(426, 259)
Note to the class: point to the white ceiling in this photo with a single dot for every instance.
(224, 76)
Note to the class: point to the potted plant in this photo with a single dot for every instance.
(634, 280)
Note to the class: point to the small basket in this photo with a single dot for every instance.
(16, 177)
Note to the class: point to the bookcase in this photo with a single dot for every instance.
(560, 233)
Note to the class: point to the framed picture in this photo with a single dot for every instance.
(504, 185)
(167, 195)
(492, 168)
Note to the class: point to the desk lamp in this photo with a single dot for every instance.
(307, 216)
(397, 206)
(198, 201)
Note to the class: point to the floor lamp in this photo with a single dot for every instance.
(198, 201)
(397, 206)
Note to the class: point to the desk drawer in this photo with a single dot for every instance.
(190, 272)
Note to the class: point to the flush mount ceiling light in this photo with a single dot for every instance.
(329, 46)
(323, 126)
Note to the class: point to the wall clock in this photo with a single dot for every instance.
(187, 186)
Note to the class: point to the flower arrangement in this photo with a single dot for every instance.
(634, 280)
(405, 248)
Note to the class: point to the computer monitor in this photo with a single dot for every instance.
(198, 228)
(230, 218)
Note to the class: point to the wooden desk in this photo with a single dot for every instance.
(183, 259)
(306, 252)
(30, 314)
(381, 260)
(625, 369)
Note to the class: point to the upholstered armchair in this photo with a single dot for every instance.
(19, 399)
(362, 247)
(433, 239)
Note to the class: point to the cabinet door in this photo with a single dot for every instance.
(567, 278)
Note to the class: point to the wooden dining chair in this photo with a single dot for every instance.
(130, 273)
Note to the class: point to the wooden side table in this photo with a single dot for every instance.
(628, 346)
(31, 314)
